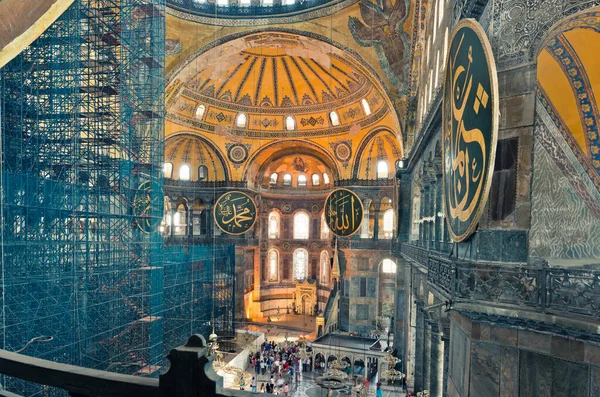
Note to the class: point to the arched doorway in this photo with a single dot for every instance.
(305, 305)
(319, 362)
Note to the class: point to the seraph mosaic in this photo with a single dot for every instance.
(382, 29)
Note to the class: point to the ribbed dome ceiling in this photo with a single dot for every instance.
(277, 77)
(269, 77)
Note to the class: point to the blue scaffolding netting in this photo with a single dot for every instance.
(82, 115)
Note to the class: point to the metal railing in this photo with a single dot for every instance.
(551, 290)
(188, 375)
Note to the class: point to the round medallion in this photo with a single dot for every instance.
(235, 212)
(148, 195)
(237, 153)
(286, 208)
(263, 246)
(285, 246)
(343, 152)
(470, 127)
(315, 208)
(343, 212)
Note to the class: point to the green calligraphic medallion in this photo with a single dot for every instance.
(343, 212)
(235, 212)
(469, 127)
(146, 197)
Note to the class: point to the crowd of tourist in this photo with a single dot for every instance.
(282, 364)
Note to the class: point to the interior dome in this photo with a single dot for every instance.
(273, 85)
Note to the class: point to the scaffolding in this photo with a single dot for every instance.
(82, 194)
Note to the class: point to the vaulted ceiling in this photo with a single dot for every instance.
(243, 103)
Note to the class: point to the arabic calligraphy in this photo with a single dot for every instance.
(343, 212)
(469, 129)
(142, 206)
(235, 212)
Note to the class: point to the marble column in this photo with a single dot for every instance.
(446, 357)
(437, 363)
(422, 224)
(376, 225)
(419, 346)
(427, 355)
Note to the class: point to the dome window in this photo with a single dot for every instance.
(334, 118)
(245, 3)
(325, 178)
(240, 121)
(184, 172)
(273, 179)
(267, 3)
(287, 180)
(222, 3)
(200, 112)
(316, 181)
(202, 172)
(290, 123)
(366, 107)
(288, 2)
(301, 180)
(168, 170)
(382, 169)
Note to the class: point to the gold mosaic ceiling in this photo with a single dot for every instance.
(334, 101)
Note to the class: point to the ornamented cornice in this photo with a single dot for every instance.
(326, 9)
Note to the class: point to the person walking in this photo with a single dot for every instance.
(253, 384)
(379, 392)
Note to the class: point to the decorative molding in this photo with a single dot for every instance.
(218, 16)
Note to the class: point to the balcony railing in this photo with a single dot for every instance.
(552, 290)
(188, 375)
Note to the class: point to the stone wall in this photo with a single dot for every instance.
(491, 360)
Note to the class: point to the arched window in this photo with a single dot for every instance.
(388, 223)
(274, 224)
(437, 67)
(316, 181)
(301, 226)
(184, 172)
(168, 170)
(441, 11)
(288, 2)
(324, 228)
(366, 106)
(200, 111)
(267, 3)
(325, 178)
(388, 266)
(324, 268)
(290, 123)
(240, 121)
(202, 172)
(273, 258)
(273, 179)
(445, 49)
(335, 119)
(435, 21)
(287, 180)
(301, 180)
(300, 264)
(180, 221)
(382, 169)
(245, 3)
(222, 3)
